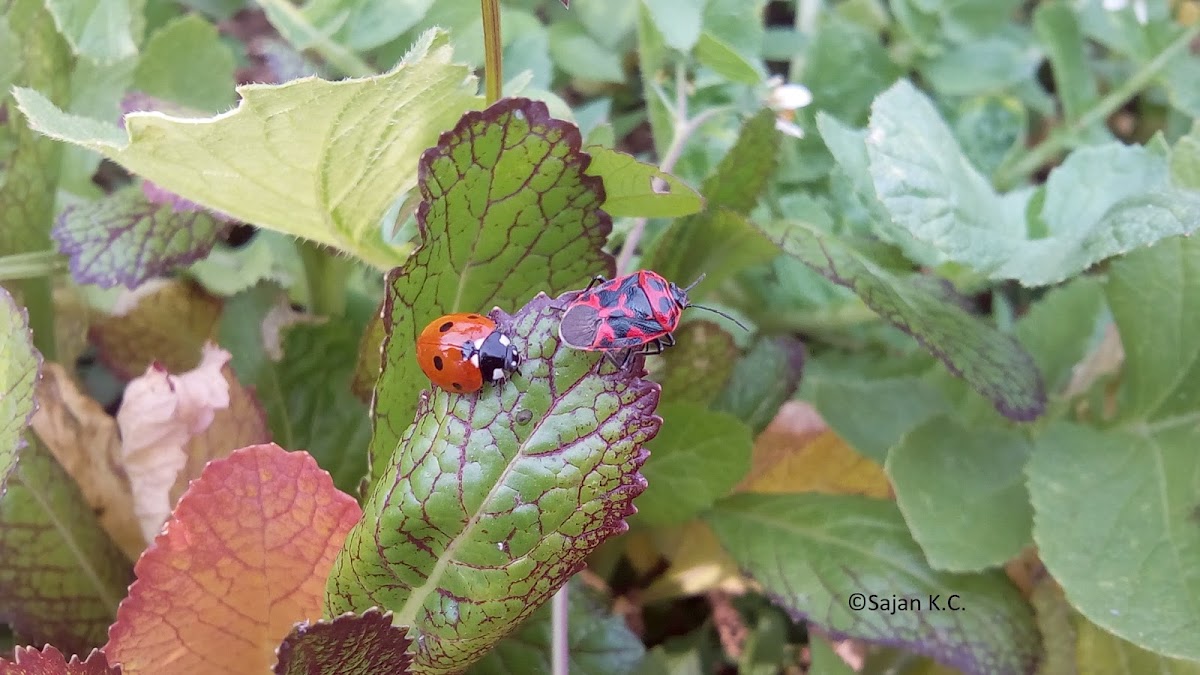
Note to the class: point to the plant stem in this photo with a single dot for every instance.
(326, 273)
(674, 151)
(1012, 173)
(492, 55)
(31, 265)
(304, 35)
(559, 645)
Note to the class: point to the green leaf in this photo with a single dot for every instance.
(678, 21)
(497, 495)
(963, 493)
(697, 458)
(652, 57)
(269, 256)
(1185, 159)
(96, 92)
(1061, 327)
(1102, 201)
(845, 66)
(634, 188)
(124, 239)
(874, 415)
(580, 56)
(1098, 651)
(61, 577)
(96, 29)
(811, 552)
(304, 387)
(362, 25)
(507, 212)
(719, 56)
(697, 369)
(993, 364)
(1058, 29)
(599, 643)
(185, 62)
(988, 66)
(719, 241)
(755, 399)
(990, 129)
(12, 66)
(280, 162)
(19, 373)
(1135, 481)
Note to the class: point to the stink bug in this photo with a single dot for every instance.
(637, 313)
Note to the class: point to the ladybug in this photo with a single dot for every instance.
(460, 352)
(636, 313)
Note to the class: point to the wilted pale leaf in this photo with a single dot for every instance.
(499, 494)
(698, 564)
(242, 560)
(325, 172)
(84, 440)
(160, 414)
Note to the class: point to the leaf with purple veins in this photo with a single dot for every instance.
(126, 239)
(849, 565)
(351, 644)
(494, 499)
(993, 363)
(507, 212)
(19, 365)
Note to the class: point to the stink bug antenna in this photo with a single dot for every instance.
(717, 311)
(696, 283)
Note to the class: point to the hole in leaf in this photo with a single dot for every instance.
(660, 186)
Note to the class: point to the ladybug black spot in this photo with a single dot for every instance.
(472, 316)
(456, 385)
(437, 362)
(445, 327)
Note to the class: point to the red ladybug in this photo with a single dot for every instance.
(637, 312)
(460, 352)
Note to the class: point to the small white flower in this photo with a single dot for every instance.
(1140, 10)
(785, 99)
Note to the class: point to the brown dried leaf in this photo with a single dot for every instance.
(83, 438)
(163, 321)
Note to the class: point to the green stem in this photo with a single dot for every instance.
(326, 273)
(303, 35)
(493, 58)
(38, 297)
(1012, 173)
(31, 265)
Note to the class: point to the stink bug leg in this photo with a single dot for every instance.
(596, 281)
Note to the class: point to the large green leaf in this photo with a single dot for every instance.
(100, 30)
(817, 555)
(508, 212)
(61, 577)
(963, 493)
(185, 62)
(993, 363)
(755, 399)
(1115, 510)
(315, 159)
(19, 365)
(1103, 201)
(494, 499)
(696, 459)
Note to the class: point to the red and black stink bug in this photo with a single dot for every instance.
(637, 313)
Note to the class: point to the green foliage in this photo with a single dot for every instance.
(958, 229)
(808, 551)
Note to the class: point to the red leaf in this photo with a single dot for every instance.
(351, 644)
(50, 661)
(243, 558)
